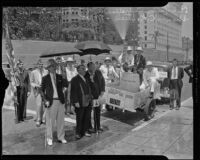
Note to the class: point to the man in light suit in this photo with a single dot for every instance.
(52, 87)
(108, 71)
(36, 80)
(176, 75)
(80, 87)
(151, 79)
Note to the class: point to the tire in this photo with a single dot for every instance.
(149, 109)
(109, 108)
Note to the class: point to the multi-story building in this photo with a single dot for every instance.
(159, 28)
(74, 14)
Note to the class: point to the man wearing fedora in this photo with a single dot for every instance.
(108, 71)
(151, 79)
(70, 73)
(52, 88)
(140, 62)
(36, 80)
(23, 90)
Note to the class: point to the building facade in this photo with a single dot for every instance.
(160, 29)
(74, 14)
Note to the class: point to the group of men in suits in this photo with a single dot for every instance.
(53, 87)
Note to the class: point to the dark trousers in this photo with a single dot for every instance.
(22, 102)
(175, 86)
(96, 116)
(82, 120)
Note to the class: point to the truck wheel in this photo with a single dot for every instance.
(109, 108)
(149, 109)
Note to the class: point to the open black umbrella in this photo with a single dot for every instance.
(93, 47)
(60, 50)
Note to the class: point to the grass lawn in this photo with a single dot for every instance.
(29, 51)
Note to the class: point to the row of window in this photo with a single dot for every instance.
(67, 20)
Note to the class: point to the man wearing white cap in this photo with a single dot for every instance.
(150, 79)
(139, 62)
(108, 71)
(70, 73)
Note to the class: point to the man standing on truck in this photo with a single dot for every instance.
(139, 62)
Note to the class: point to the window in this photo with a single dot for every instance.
(145, 38)
(145, 27)
(76, 12)
(72, 12)
(145, 14)
(145, 45)
(145, 32)
(67, 12)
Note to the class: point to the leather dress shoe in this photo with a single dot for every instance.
(38, 124)
(78, 136)
(92, 130)
(87, 134)
(62, 141)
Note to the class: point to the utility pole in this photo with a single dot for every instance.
(167, 47)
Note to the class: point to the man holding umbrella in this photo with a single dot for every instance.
(97, 85)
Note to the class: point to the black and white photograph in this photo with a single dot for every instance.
(98, 80)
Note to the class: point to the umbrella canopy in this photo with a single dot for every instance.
(93, 47)
(60, 50)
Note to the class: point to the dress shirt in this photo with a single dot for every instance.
(107, 72)
(71, 73)
(53, 80)
(174, 73)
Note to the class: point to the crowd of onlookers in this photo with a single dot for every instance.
(63, 87)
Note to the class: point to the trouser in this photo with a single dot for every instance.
(175, 93)
(22, 102)
(82, 120)
(140, 72)
(97, 115)
(55, 114)
(40, 109)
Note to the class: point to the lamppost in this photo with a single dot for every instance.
(168, 46)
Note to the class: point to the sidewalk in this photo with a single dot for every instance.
(171, 135)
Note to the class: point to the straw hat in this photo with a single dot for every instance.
(149, 63)
(50, 63)
(139, 49)
(69, 59)
(107, 59)
(129, 48)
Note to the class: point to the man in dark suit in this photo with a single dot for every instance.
(139, 63)
(53, 86)
(97, 85)
(189, 71)
(23, 91)
(79, 88)
(176, 75)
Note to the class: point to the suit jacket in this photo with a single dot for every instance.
(139, 61)
(189, 71)
(98, 85)
(47, 88)
(76, 93)
(180, 76)
(23, 79)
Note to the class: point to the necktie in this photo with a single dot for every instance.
(174, 72)
(54, 79)
(108, 71)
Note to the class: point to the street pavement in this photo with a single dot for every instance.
(169, 133)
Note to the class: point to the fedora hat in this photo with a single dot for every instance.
(139, 49)
(51, 63)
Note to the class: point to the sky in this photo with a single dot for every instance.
(187, 27)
